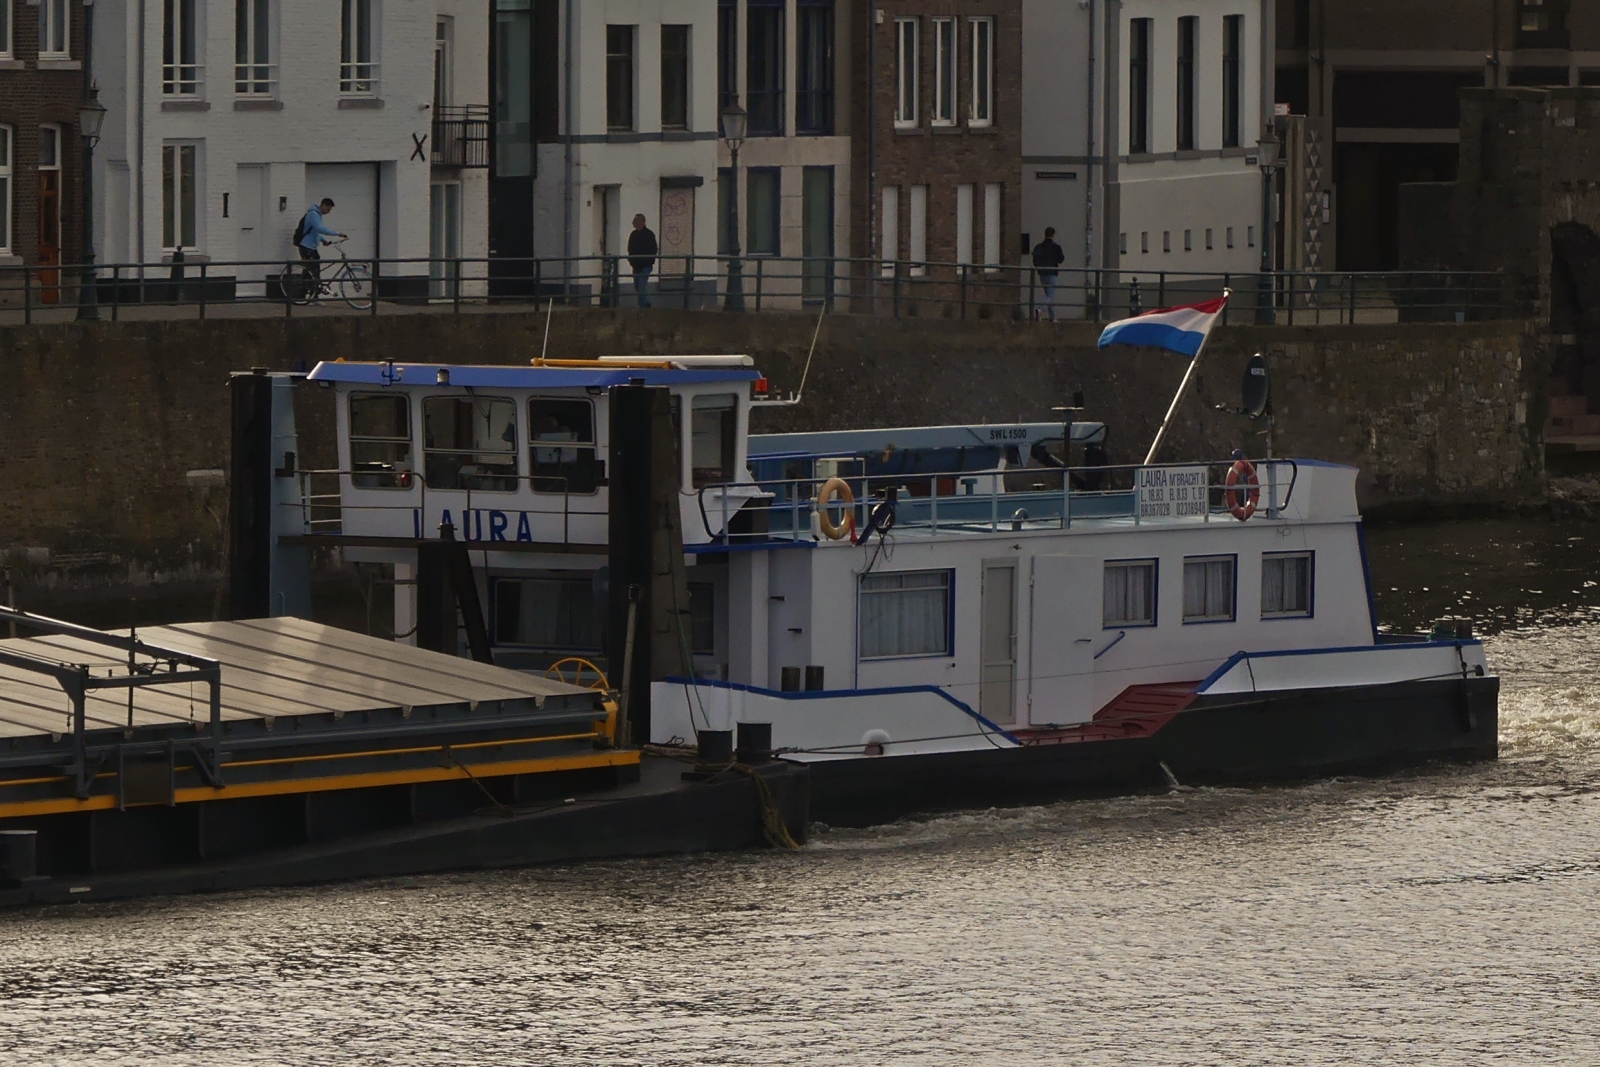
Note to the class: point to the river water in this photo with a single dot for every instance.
(1446, 916)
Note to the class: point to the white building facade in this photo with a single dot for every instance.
(1141, 119)
(228, 118)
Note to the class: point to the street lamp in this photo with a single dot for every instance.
(91, 117)
(735, 123)
(1267, 158)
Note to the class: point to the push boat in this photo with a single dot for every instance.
(925, 617)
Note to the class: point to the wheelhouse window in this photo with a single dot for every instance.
(562, 447)
(470, 442)
(1208, 589)
(559, 613)
(906, 75)
(1130, 593)
(358, 66)
(814, 79)
(180, 37)
(982, 104)
(252, 48)
(905, 614)
(54, 41)
(380, 441)
(1286, 585)
(713, 427)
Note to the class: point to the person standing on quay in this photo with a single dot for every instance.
(642, 251)
(1047, 260)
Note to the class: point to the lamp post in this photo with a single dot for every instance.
(735, 122)
(91, 117)
(1267, 158)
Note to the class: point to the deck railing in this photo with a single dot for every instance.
(189, 285)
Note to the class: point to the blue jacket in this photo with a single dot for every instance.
(315, 228)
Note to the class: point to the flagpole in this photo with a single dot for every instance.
(1183, 387)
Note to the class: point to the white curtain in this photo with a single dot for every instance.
(1128, 592)
(1285, 585)
(1208, 588)
(905, 614)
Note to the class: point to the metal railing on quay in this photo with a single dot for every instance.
(187, 284)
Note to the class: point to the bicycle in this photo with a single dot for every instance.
(352, 282)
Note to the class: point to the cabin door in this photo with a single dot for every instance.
(997, 694)
(1064, 619)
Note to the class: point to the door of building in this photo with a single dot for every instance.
(816, 237)
(444, 239)
(49, 214)
(676, 235)
(997, 693)
(252, 247)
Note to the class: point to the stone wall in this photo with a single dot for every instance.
(103, 427)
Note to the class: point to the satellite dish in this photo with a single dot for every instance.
(1257, 387)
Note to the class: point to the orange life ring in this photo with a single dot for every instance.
(836, 487)
(1242, 504)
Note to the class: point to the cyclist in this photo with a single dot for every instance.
(311, 230)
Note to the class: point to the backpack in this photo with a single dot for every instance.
(299, 231)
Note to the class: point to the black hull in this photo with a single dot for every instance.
(1234, 740)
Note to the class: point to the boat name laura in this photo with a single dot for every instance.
(1173, 492)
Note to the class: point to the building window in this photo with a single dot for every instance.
(180, 67)
(380, 440)
(727, 57)
(555, 613)
(919, 229)
(1139, 86)
(991, 225)
(1229, 235)
(54, 41)
(1542, 24)
(964, 207)
(814, 79)
(944, 72)
(713, 438)
(358, 66)
(727, 227)
(1166, 240)
(1188, 240)
(1144, 241)
(252, 48)
(444, 72)
(178, 199)
(982, 104)
(674, 77)
(764, 70)
(1188, 32)
(561, 447)
(762, 209)
(1130, 593)
(906, 74)
(5, 29)
(1208, 588)
(619, 77)
(470, 442)
(1249, 236)
(1286, 585)
(905, 614)
(889, 236)
(1232, 78)
(1209, 239)
(5, 190)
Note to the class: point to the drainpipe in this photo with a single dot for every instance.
(1088, 184)
(566, 138)
(138, 132)
(871, 81)
(1111, 204)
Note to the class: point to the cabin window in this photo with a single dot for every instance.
(702, 618)
(905, 614)
(560, 614)
(470, 442)
(712, 430)
(1130, 593)
(380, 440)
(562, 446)
(1286, 585)
(1208, 589)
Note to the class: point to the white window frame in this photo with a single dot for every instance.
(981, 106)
(1306, 612)
(182, 19)
(8, 142)
(965, 195)
(1121, 619)
(1205, 615)
(993, 212)
(7, 26)
(358, 77)
(55, 15)
(171, 196)
(944, 72)
(253, 76)
(908, 76)
(945, 583)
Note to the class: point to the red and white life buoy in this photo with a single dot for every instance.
(1240, 502)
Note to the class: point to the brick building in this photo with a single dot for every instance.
(938, 147)
(42, 84)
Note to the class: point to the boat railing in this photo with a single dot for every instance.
(990, 500)
(325, 509)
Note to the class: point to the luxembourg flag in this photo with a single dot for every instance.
(1181, 329)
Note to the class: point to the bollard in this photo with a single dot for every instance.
(814, 679)
(754, 743)
(716, 747)
(789, 679)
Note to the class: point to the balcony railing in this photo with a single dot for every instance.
(461, 136)
(358, 79)
(255, 79)
(182, 79)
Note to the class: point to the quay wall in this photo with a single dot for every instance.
(106, 429)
